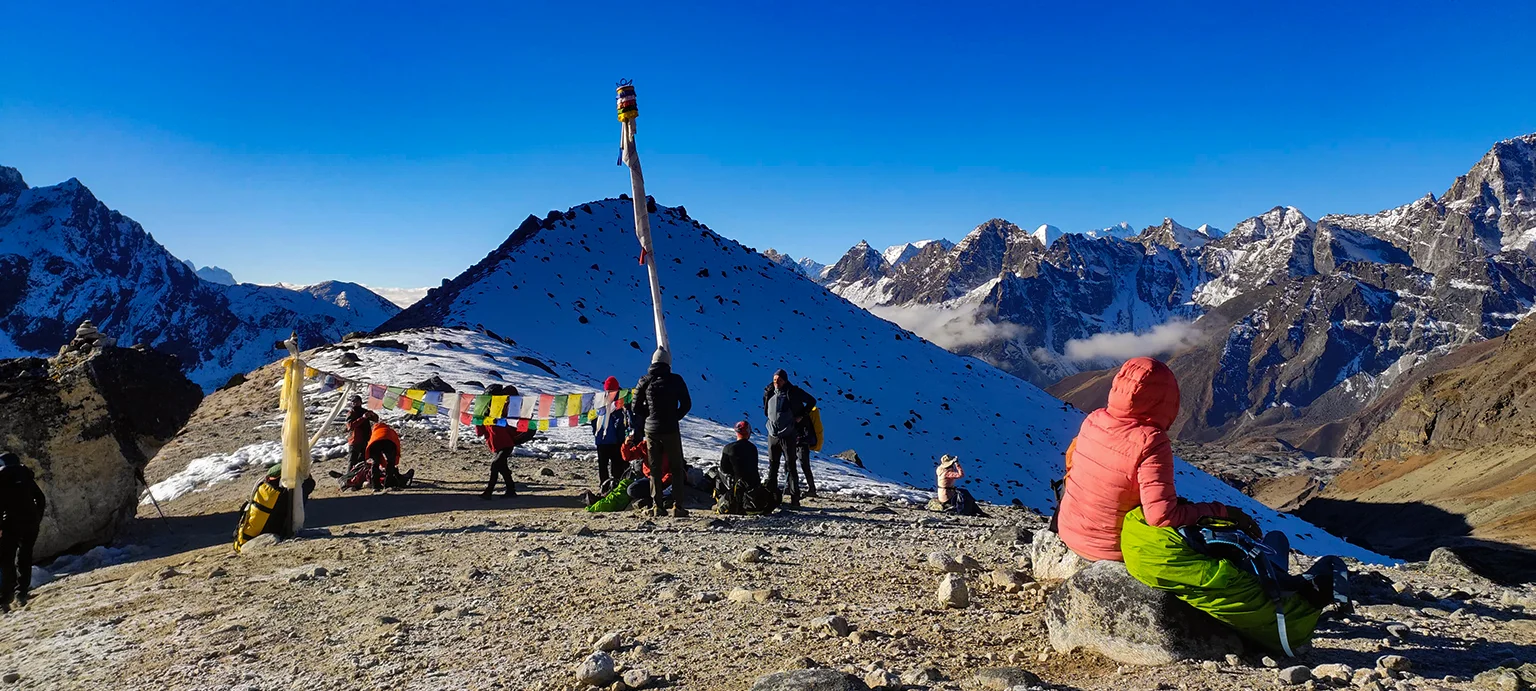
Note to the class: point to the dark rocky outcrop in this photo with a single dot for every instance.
(87, 424)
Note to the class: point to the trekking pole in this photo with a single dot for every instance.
(139, 475)
(628, 111)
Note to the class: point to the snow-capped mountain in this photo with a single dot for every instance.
(65, 257)
(567, 286)
(807, 267)
(213, 274)
(1121, 230)
(367, 306)
(1046, 234)
(1370, 297)
(896, 255)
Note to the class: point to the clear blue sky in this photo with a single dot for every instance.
(401, 142)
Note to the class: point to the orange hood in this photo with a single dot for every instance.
(1145, 390)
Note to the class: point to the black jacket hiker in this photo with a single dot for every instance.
(661, 400)
(21, 514)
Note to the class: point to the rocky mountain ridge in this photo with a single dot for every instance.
(65, 257)
(1288, 323)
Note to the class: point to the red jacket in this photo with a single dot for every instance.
(499, 438)
(1122, 459)
(360, 426)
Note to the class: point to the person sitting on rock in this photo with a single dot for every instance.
(22, 504)
(1119, 504)
(384, 451)
(950, 498)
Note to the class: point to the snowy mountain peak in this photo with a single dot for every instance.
(65, 257)
(1173, 235)
(896, 255)
(860, 263)
(11, 181)
(212, 274)
(1046, 234)
(1121, 230)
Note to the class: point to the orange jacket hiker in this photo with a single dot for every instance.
(1122, 459)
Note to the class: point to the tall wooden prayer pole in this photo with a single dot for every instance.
(628, 111)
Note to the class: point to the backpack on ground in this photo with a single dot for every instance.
(1219, 539)
(258, 512)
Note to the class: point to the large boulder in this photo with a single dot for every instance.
(819, 679)
(87, 423)
(1051, 560)
(1103, 609)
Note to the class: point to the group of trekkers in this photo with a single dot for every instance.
(641, 464)
(1116, 500)
(1117, 503)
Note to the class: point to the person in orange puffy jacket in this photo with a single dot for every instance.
(384, 451)
(1122, 459)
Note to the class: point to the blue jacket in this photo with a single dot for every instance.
(612, 428)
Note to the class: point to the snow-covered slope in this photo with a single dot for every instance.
(367, 306)
(568, 286)
(65, 257)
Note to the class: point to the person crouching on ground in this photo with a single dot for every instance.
(949, 497)
(610, 426)
(384, 451)
(1119, 504)
(661, 399)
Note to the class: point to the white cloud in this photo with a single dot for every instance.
(404, 297)
(1162, 339)
(947, 328)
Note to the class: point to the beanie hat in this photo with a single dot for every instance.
(611, 384)
(781, 374)
(662, 355)
(744, 427)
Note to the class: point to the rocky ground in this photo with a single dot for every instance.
(433, 588)
(1273, 472)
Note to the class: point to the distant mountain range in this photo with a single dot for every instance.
(65, 257)
(1283, 327)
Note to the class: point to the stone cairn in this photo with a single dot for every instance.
(87, 339)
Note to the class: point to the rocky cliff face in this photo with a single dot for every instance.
(65, 257)
(1299, 325)
(87, 424)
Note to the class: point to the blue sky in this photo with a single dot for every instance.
(398, 143)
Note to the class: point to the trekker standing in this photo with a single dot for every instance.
(788, 408)
(21, 514)
(501, 440)
(610, 426)
(359, 430)
(661, 399)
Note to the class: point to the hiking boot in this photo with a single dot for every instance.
(486, 495)
(679, 512)
(409, 476)
(5, 608)
(22, 599)
(511, 492)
